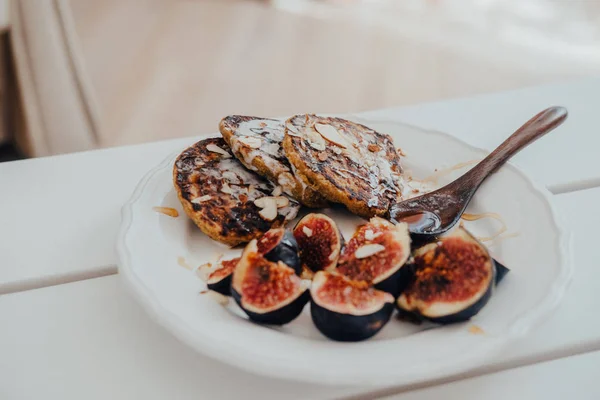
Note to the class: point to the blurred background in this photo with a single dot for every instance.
(84, 74)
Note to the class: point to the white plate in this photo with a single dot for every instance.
(151, 247)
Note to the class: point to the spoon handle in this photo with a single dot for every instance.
(532, 130)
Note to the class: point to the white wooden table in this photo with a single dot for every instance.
(68, 329)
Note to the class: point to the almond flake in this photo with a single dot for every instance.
(317, 146)
(282, 201)
(225, 188)
(370, 235)
(291, 130)
(252, 142)
(169, 211)
(331, 134)
(307, 231)
(322, 156)
(231, 177)
(201, 199)
(337, 150)
(368, 250)
(217, 149)
(277, 191)
(269, 211)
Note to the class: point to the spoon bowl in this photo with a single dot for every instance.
(434, 213)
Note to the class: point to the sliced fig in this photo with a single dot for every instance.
(319, 240)
(268, 292)
(377, 253)
(451, 280)
(220, 279)
(347, 310)
(280, 245)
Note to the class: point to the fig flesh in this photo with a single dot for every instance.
(451, 280)
(319, 241)
(268, 292)
(377, 253)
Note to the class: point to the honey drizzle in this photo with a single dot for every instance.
(168, 211)
(434, 178)
(497, 217)
(182, 263)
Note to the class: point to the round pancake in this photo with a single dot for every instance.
(345, 162)
(218, 194)
(256, 142)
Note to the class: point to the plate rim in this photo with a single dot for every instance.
(522, 325)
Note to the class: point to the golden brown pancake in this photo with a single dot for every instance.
(345, 162)
(219, 194)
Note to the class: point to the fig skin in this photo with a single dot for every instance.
(223, 286)
(309, 248)
(467, 311)
(347, 327)
(286, 250)
(280, 315)
(501, 271)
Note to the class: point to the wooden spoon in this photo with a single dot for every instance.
(434, 213)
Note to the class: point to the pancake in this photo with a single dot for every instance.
(256, 142)
(218, 193)
(345, 162)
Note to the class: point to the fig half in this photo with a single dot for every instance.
(319, 240)
(280, 245)
(376, 253)
(220, 279)
(268, 292)
(451, 279)
(347, 310)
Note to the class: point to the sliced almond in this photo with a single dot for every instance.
(231, 177)
(169, 211)
(307, 231)
(370, 235)
(317, 146)
(368, 250)
(269, 210)
(322, 156)
(226, 188)
(282, 201)
(337, 150)
(252, 142)
(201, 199)
(277, 191)
(286, 180)
(291, 130)
(217, 149)
(331, 134)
